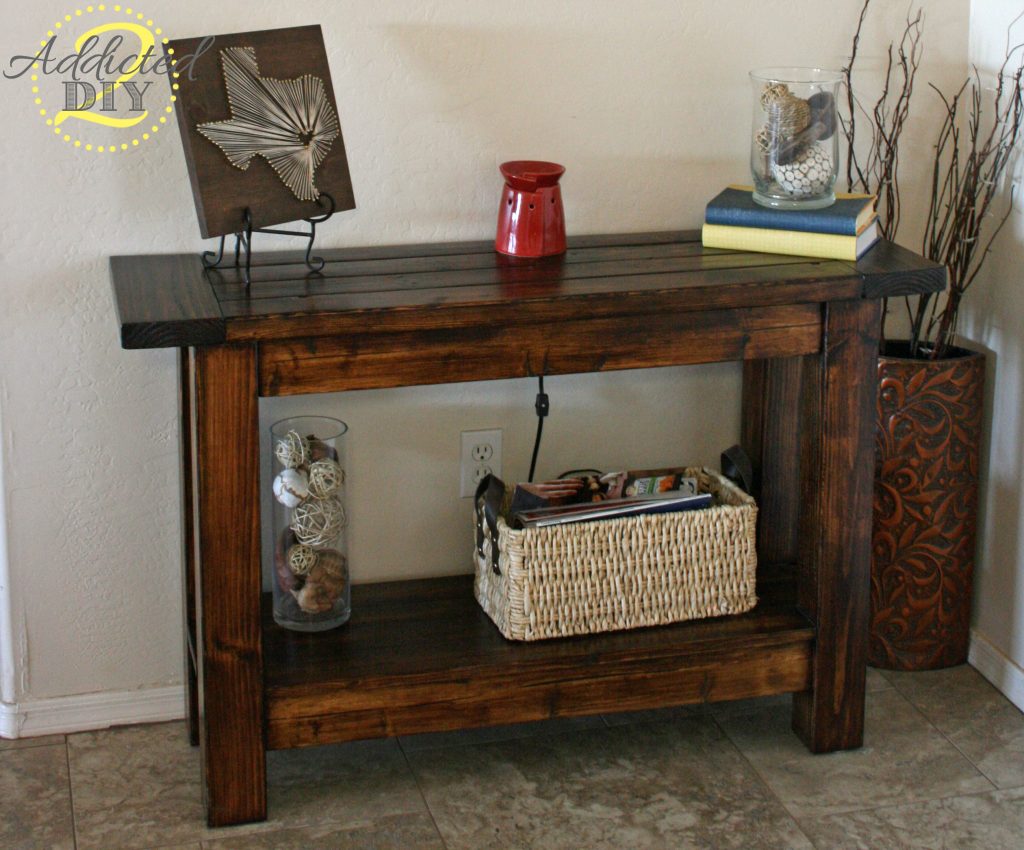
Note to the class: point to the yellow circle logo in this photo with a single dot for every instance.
(97, 81)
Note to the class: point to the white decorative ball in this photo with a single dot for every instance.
(808, 175)
(325, 478)
(290, 487)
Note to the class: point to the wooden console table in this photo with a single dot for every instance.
(419, 656)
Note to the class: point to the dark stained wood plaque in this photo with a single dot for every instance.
(222, 191)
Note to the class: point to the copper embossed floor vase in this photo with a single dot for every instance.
(925, 515)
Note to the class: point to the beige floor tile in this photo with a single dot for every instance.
(35, 805)
(876, 681)
(993, 821)
(347, 784)
(489, 734)
(138, 787)
(638, 786)
(135, 787)
(903, 759)
(980, 721)
(396, 832)
(25, 743)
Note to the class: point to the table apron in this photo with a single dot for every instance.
(378, 359)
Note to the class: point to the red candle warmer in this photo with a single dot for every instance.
(531, 221)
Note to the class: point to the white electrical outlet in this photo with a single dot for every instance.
(480, 456)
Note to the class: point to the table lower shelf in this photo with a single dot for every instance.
(420, 656)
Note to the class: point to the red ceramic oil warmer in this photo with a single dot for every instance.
(531, 221)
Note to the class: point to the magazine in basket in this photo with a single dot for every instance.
(622, 573)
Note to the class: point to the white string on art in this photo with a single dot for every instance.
(290, 123)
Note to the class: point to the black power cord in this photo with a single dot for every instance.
(543, 407)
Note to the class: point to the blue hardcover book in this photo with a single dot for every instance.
(735, 207)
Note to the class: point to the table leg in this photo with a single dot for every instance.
(771, 438)
(230, 659)
(837, 469)
(188, 542)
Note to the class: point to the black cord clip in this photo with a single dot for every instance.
(543, 405)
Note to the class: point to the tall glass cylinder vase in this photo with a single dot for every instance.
(794, 150)
(311, 577)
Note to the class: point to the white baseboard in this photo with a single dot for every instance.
(84, 712)
(8, 720)
(999, 669)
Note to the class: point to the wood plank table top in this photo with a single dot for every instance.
(170, 300)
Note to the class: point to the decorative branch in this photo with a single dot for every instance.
(878, 172)
(973, 148)
(967, 173)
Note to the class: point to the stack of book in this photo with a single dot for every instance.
(843, 231)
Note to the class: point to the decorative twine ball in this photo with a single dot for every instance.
(772, 93)
(764, 139)
(325, 478)
(292, 450)
(318, 521)
(290, 487)
(788, 116)
(808, 175)
(302, 559)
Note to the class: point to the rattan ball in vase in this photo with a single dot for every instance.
(772, 94)
(302, 559)
(316, 522)
(292, 450)
(325, 478)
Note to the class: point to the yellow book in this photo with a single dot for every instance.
(795, 242)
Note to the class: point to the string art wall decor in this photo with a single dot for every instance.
(260, 128)
(289, 123)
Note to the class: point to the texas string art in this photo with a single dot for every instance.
(262, 139)
(290, 123)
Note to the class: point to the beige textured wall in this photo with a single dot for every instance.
(647, 105)
(994, 319)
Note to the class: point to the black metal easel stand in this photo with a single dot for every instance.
(243, 241)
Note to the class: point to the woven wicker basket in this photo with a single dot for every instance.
(622, 573)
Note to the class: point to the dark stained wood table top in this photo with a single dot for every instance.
(170, 300)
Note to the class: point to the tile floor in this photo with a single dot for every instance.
(942, 767)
